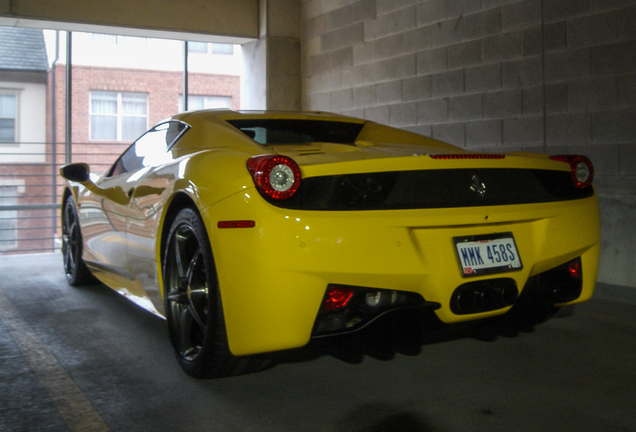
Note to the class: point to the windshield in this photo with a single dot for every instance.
(278, 131)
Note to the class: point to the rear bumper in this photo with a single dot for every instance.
(273, 276)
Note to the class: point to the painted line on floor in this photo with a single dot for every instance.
(75, 409)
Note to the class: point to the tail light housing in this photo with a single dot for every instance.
(349, 308)
(581, 169)
(277, 177)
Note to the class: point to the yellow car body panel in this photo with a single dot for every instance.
(273, 277)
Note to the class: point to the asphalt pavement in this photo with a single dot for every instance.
(86, 359)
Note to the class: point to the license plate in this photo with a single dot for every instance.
(487, 254)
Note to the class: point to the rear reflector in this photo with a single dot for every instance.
(236, 224)
(574, 268)
(337, 297)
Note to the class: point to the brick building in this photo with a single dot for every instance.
(117, 94)
(25, 170)
(105, 99)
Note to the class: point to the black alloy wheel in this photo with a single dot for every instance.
(76, 271)
(193, 303)
(188, 291)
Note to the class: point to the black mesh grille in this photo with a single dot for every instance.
(434, 189)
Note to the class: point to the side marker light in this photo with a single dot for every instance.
(236, 224)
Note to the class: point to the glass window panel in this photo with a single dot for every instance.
(132, 127)
(222, 48)
(195, 102)
(7, 105)
(134, 103)
(198, 102)
(103, 102)
(8, 219)
(104, 39)
(212, 102)
(130, 162)
(118, 115)
(134, 41)
(198, 47)
(7, 130)
(103, 127)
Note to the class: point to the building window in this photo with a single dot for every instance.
(198, 47)
(118, 116)
(8, 113)
(104, 39)
(222, 49)
(198, 102)
(8, 218)
(109, 39)
(213, 48)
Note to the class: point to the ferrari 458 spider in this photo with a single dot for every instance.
(253, 232)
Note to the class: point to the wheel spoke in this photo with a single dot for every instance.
(180, 253)
(174, 296)
(195, 315)
(196, 297)
(188, 347)
(73, 244)
(190, 271)
(70, 262)
(70, 242)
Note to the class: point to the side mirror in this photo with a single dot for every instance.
(77, 172)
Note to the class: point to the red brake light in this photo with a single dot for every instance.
(574, 268)
(337, 297)
(581, 169)
(276, 176)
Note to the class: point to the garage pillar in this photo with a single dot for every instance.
(271, 75)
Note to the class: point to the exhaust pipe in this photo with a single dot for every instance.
(484, 296)
(509, 294)
(466, 301)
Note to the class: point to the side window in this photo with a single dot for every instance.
(150, 149)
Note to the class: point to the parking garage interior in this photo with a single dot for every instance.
(487, 75)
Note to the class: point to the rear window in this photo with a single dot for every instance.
(268, 131)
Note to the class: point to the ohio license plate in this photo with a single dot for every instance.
(487, 254)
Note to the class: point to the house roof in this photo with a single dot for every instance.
(22, 49)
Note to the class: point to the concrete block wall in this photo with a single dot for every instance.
(555, 76)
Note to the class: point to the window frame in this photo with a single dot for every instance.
(191, 97)
(118, 114)
(113, 170)
(11, 216)
(16, 129)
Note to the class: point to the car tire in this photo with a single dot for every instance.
(77, 273)
(194, 311)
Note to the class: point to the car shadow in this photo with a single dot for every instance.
(408, 333)
(381, 417)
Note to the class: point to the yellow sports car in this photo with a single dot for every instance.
(254, 232)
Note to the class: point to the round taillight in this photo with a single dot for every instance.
(276, 176)
(581, 169)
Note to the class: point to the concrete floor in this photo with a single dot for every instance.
(86, 359)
